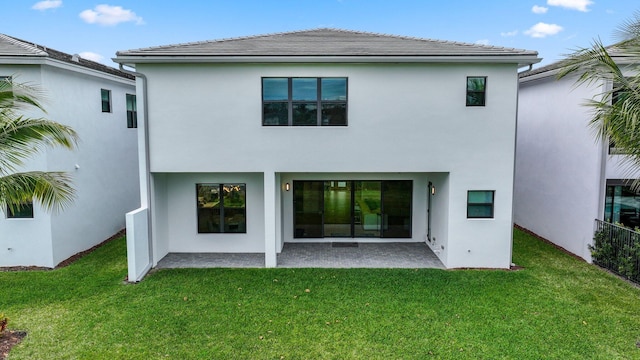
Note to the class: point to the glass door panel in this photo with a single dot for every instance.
(396, 205)
(367, 217)
(308, 204)
(337, 208)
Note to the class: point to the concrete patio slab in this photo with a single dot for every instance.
(317, 255)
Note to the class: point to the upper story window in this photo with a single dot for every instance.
(6, 86)
(304, 101)
(476, 90)
(106, 100)
(20, 211)
(480, 203)
(132, 111)
(616, 96)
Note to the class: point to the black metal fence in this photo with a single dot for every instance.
(618, 249)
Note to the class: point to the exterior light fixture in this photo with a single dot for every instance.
(287, 186)
(432, 189)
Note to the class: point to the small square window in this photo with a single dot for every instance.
(480, 204)
(476, 90)
(106, 100)
(20, 211)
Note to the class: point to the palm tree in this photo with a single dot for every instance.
(616, 111)
(22, 137)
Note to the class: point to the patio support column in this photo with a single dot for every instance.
(270, 259)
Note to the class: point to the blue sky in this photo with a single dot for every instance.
(97, 29)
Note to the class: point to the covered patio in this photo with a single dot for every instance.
(317, 255)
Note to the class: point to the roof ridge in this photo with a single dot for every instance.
(211, 41)
(416, 38)
(346, 31)
(25, 45)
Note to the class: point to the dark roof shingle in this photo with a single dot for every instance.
(325, 42)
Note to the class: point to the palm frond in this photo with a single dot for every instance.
(52, 189)
(22, 137)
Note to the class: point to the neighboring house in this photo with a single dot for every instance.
(96, 101)
(565, 178)
(325, 136)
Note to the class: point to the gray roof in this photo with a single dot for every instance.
(14, 47)
(551, 69)
(324, 43)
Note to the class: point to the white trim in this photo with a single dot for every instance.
(47, 61)
(521, 60)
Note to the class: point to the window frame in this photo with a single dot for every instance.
(615, 96)
(221, 229)
(478, 204)
(319, 102)
(108, 101)
(25, 213)
(132, 115)
(470, 91)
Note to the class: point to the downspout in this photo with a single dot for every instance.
(145, 129)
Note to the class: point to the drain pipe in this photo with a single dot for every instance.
(145, 130)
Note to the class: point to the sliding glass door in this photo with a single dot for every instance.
(337, 208)
(352, 208)
(308, 208)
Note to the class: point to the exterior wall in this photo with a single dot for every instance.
(403, 118)
(181, 219)
(104, 167)
(559, 165)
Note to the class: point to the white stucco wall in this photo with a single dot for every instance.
(403, 118)
(106, 177)
(559, 164)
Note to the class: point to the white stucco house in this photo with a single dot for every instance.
(565, 179)
(96, 101)
(325, 135)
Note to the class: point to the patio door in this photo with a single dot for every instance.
(352, 208)
(308, 207)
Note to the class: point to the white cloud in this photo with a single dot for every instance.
(509, 33)
(541, 30)
(580, 5)
(109, 15)
(539, 9)
(91, 56)
(482, 42)
(47, 4)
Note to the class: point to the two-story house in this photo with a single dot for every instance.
(325, 136)
(564, 177)
(98, 102)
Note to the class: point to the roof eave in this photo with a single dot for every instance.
(521, 60)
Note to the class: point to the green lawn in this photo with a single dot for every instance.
(557, 307)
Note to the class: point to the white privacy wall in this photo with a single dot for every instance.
(559, 164)
(403, 118)
(104, 168)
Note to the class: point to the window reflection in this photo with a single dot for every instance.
(622, 205)
(221, 208)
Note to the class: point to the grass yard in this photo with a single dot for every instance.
(556, 307)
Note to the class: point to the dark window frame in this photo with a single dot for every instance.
(483, 92)
(132, 115)
(475, 204)
(319, 102)
(222, 224)
(615, 96)
(25, 211)
(106, 104)
(384, 233)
